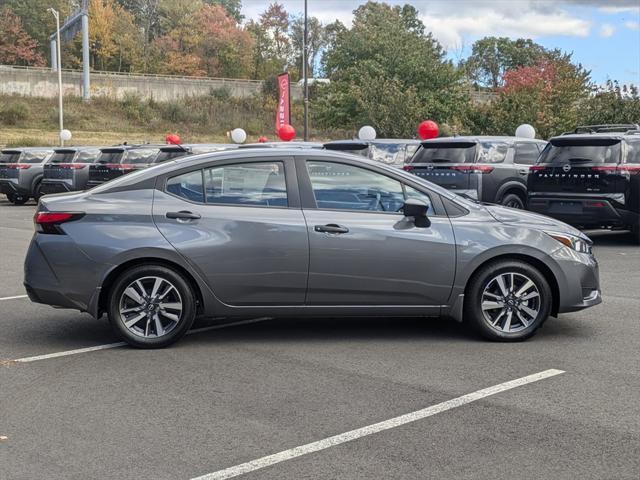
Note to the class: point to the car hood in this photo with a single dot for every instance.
(526, 219)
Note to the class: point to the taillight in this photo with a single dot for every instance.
(48, 222)
(605, 168)
(408, 168)
(473, 168)
(537, 168)
(19, 166)
(630, 169)
(73, 166)
(128, 166)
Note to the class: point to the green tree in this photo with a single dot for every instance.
(386, 71)
(492, 57)
(232, 7)
(316, 41)
(611, 103)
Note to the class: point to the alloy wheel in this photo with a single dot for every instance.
(150, 307)
(510, 302)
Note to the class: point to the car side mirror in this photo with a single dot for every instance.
(418, 210)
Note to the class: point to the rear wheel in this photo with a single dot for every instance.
(37, 192)
(507, 300)
(151, 306)
(18, 199)
(513, 200)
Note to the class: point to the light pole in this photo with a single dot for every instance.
(304, 74)
(59, 62)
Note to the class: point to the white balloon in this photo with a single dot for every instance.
(367, 133)
(526, 131)
(238, 135)
(65, 135)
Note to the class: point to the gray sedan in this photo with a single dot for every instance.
(299, 232)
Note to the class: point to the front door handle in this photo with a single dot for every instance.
(183, 215)
(523, 171)
(331, 228)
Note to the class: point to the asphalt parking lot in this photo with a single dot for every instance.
(234, 393)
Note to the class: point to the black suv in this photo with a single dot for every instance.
(590, 178)
(119, 160)
(68, 169)
(488, 169)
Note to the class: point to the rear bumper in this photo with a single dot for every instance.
(582, 212)
(12, 186)
(52, 186)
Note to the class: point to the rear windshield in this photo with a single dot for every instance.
(598, 151)
(165, 155)
(633, 155)
(111, 156)
(33, 157)
(391, 153)
(9, 157)
(62, 157)
(446, 152)
(87, 156)
(142, 155)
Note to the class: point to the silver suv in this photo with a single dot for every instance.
(21, 171)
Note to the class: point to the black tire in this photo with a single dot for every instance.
(9, 197)
(635, 234)
(116, 296)
(18, 199)
(512, 200)
(37, 192)
(476, 318)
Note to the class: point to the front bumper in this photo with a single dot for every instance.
(578, 280)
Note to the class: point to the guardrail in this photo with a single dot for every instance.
(130, 74)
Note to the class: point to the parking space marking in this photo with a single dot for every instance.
(14, 297)
(106, 346)
(328, 442)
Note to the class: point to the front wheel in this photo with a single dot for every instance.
(151, 306)
(507, 300)
(513, 200)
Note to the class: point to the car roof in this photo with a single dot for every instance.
(75, 149)
(599, 135)
(27, 149)
(281, 145)
(131, 147)
(481, 138)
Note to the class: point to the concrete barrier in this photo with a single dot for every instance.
(43, 82)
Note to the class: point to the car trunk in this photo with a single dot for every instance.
(108, 166)
(448, 164)
(585, 166)
(58, 166)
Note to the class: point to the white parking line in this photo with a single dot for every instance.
(14, 297)
(106, 346)
(375, 428)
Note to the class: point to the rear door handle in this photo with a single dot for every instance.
(331, 228)
(183, 215)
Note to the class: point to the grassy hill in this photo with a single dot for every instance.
(30, 121)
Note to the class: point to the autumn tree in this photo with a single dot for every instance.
(232, 7)
(546, 95)
(17, 47)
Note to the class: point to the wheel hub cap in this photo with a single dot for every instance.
(510, 302)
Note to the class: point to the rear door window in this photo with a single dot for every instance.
(633, 152)
(141, 155)
(492, 152)
(581, 151)
(33, 157)
(188, 186)
(256, 183)
(87, 156)
(526, 153)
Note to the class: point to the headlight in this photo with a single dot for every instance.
(575, 243)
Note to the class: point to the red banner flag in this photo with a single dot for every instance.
(283, 113)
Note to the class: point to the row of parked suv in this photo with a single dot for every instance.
(588, 178)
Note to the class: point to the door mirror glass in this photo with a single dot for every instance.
(417, 209)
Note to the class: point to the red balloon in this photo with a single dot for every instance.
(263, 139)
(172, 139)
(427, 129)
(286, 132)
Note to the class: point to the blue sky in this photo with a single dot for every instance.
(603, 35)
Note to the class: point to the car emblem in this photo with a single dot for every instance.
(566, 168)
(429, 167)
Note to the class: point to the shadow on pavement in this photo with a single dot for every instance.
(609, 238)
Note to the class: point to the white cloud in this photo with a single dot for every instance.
(607, 30)
(632, 25)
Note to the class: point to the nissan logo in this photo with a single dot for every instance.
(566, 168)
